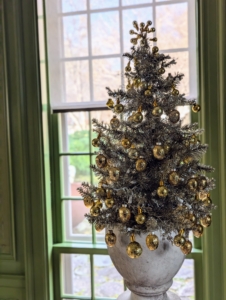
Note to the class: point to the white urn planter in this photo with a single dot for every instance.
(151, 275)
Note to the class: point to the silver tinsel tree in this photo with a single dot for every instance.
(148, 163)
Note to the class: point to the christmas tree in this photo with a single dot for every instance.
(150, 177)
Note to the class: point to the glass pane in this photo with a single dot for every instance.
(76, 274)
(41, 40)
(108, 282)
(106, 72)
(74, 171)
(95, 4)
(40, 7)
(75, 36)
(129, 15)
(183, 283)
(77, 81)
(105, 33)
(76, 226)
(134, 2)
(172, 26)
(182, 66)
(72, 5)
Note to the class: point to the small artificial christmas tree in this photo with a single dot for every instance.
(148, 163)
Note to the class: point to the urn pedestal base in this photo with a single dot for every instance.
(128, 295)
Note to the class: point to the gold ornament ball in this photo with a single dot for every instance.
(110, 103)
(127, 68)
(175, 92)
(133, 41)
(137, 117)
(162, 191)
(196, 108)
(141, 164)
(114, 173)
(192, 218)
(186, 248)
(101, 161)
(179, 240)
(100, 192)
(118, 108)
(166, 148)
(134, 250)
(202, 183)
(140, 219)
(88, 201)
(96, 142)
(126, 143)
(174, 178)
(109, 202)
(98, 203)
(161, 71)
(155, 49)
(198, 230)
(147, 93)
(110, 238)
(188, 160)
(149, 22)
(95, 211)
(157, 111)
(152, 242)
(115, 123)
(207, 202)
(99, 227)
(159, 152)
(135, 25)
(206, 222)
(192, 184)
(174, 116)
(133, 153)
(124, 214)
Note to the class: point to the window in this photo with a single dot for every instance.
(85, 41)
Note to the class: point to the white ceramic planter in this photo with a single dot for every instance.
(151, 275)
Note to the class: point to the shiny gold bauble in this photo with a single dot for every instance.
(174, 116)
(135, 25)
(99, 227)
(174, 178)
(124, 214)
(157, 111)
(126, 143)
(192, 184)
(96, 142)
(127, 68)
(193, 140)
(191, 218)
(134, 250)
(114, 173)
(196, 108)
(88, 201)
(207, 201)
(109, 202)
(179, 240)
(147, 93)
(141, 164)
(101, 182)
(95, 211)
(202, 182)
(159, 152)
(166, 148)
(155, 49)
(175, 92)
(188, 160)
(152, 242)
(140, 219)
(115, 123)
(133, 153)
(118, 108)
(109, 180)
(133, 41)
(110, 103)
(198, 230)
(101, 161)
(186, 248)
(206, 222)
(100, 192)
(137, 117)
(98, 203)
(110, 238)
(161, 71)
(162, 191)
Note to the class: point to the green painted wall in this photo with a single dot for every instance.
(25, 206)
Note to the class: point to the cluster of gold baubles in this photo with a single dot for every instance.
(134, 249)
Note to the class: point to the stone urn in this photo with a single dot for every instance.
(150, 275)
